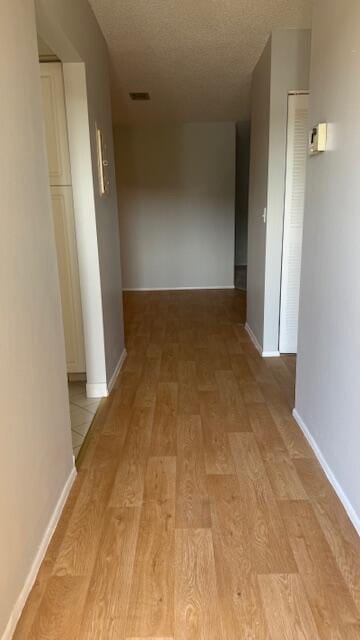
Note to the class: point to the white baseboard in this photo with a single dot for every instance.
(271, 354)
(103, 389)
(257, 345)
(354, 517)
(253, 338)
(31, 577)
(117, 370)
(181, 288)
(97, 390)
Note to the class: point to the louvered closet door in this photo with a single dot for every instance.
(65, 239)
(297, 145)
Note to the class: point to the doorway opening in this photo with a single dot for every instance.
(241, 204)
(82, 408)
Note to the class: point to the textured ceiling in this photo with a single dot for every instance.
(195, 57)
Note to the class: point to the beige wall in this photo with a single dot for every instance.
(327, 389)
(35, 443)
(177, 205)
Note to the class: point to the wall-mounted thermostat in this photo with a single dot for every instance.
(318, 137)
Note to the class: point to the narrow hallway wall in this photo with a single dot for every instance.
(327, 390)
(36, 462)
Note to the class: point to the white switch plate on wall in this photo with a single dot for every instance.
(317, 139)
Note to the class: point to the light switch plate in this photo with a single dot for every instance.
(318, 139)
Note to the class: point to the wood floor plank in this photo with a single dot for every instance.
(118, 423)
(192, 500)
(77, 553)
(186, 350)
(233, 406)
(343, 541)
(269, 440)
(205, 373)
(259, 368)
(272, 392)
(313, 478)
(151, 606)
(282, 473)
(105, 609)
(286, 607)
(219, 354)
(154, 349)
(169, 362)
(241, 607)
(163, 441)
(233, 345)
(218, 459)
(196, 598)
(108, 451)
(270, 549)
(251, 392)
(128, 485)
(292, 436)
(145, 395)
(59, 616)
(241, 369)
(188, 393)
(34, 601)
(331, 603)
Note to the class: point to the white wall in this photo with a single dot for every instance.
(283, 67)
(177, 205)
(72, 32)
(35, 442)
(327, 390)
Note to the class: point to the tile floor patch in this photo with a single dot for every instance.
(82, 412)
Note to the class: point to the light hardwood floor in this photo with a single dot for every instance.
(199, 511)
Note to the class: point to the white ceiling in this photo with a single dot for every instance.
(195, 57)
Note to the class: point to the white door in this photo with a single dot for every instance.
(52, 84)
(63, 211)
(297, 147)
(64, 226)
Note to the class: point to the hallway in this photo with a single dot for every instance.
(199, 511)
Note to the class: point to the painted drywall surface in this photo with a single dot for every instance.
(327, 387)
(177, 205)
(290, 69)
(71, 30)
(242, 192)
(259, 150)
(35, 450)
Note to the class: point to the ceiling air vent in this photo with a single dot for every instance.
(139, 95)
